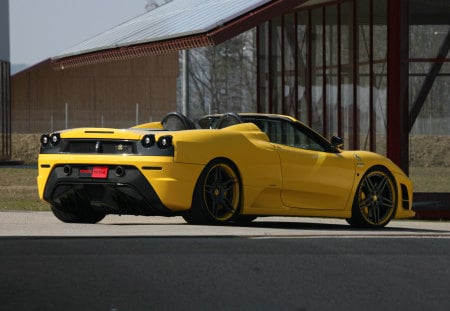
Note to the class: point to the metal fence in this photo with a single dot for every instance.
(69, 116)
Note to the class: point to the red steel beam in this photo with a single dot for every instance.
(132, 52)
(397, 81)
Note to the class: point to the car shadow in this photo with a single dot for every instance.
(290, 225)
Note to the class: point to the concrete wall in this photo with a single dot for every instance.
(105, 95)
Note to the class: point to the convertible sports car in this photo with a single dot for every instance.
(228, 168)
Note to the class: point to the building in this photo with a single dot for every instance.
(374, 72)
(118, 94)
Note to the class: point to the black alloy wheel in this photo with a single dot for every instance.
(375, 200)
(217, 195)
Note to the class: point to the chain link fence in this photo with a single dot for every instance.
(45, 121)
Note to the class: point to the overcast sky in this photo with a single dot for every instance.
(40, 29)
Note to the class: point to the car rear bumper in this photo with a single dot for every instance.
(124, 190)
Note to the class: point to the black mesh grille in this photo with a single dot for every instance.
(98, 146)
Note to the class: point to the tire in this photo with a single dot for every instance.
(84, 215)
(217, 195)
(375, 200)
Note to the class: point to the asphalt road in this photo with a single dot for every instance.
(274, 264)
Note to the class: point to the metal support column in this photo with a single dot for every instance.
(398, 83)
(5, 103)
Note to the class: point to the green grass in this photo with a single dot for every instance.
(430, 179)
(18, 188)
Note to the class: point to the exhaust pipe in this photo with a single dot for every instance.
(67, 170)
(120, 171)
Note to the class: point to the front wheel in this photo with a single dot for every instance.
(217, 195)
(375, 200)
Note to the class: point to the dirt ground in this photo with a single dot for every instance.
(25, 147)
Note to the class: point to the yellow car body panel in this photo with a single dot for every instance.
(166, 176)
(276, 179)
(259, 173)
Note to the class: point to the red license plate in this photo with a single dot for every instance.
(100, 172)
(94, 172)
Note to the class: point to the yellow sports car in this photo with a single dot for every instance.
(227, 168)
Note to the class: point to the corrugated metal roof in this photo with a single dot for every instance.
(175, 19)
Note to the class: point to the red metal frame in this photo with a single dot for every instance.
(132, 52)
(283, 63)
(324, 74)
(398, 84)
(353, 68)
(296, 56)
(258, 70)
(308, 88)
(270, 66)
(355, 55)
(372, 115)
(5, 110)
(339, 73)
(429, 60)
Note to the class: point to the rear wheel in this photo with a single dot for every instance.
(217, 195)
(84, 215)
(375, 200)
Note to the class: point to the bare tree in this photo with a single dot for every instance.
(223, 78)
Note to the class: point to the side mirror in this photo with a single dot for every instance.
(336, 143)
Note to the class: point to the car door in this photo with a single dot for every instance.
(313, 177)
